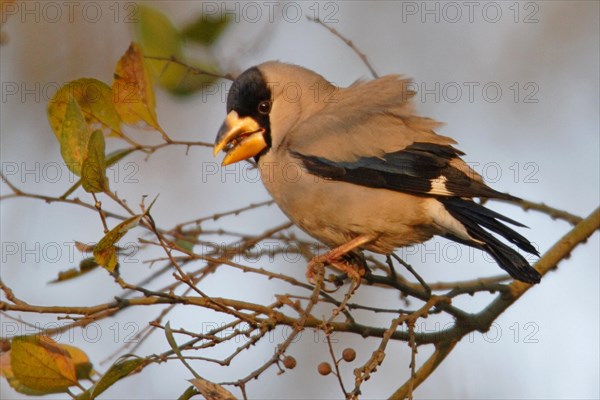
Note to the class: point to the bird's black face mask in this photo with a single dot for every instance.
(246, 130)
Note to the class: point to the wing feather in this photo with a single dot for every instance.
(370, 136)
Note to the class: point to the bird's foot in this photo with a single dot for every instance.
(352, 271)
(336, 259)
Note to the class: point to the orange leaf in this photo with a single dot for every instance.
(132, 89)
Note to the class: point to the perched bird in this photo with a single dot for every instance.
(357, 169)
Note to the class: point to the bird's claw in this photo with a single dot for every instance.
(354, 272)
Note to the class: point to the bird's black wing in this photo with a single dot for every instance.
(422, 168)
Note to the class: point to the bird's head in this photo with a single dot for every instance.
(264, 103)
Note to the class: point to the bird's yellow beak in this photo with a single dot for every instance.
(242, 138)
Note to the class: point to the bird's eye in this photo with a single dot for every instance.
(264, 107)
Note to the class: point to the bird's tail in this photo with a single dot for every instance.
(479, 223)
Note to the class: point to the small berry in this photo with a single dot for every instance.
(324, 368)
(289, 362)
(349, 354)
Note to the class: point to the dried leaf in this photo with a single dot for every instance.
(93, 169)
(132, 90)
(107, 257)
(95, 98)
(42, 365)
(105, 252)
(84, 247)
(85, 266)
(211, 390)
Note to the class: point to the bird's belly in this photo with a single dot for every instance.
(336, 212)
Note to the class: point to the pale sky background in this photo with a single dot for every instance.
(545, 346)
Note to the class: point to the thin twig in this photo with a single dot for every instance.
(348, 42)
(192, 69)
(552, 212)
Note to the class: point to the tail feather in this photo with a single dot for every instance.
(476, 219)
(488, 219)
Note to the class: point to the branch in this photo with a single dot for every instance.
(483, 320)
(349, 43)
(192, 69)
(442, 350)
(552, 212)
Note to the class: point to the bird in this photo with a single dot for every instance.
(357, 169)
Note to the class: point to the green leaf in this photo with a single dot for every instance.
(185, 244)
(95, 100)
(175, 348)
(93, 169)
(188, 82)
(188, 394)
(156, 34)
(41, 364)
(105, 252)
(74, 137)
(206, 30)
(111, 159)
(119, 370)
(117, 155)
(158, 37)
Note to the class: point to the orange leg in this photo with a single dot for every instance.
(333, 258)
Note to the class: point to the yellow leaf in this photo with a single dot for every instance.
(95, 100)
(107, 257)
(132, 89)
(40, 364)
(105, 251)
(93, 169)
(83, 366)
(6, 372)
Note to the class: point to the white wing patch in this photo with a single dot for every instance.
(438, 186)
